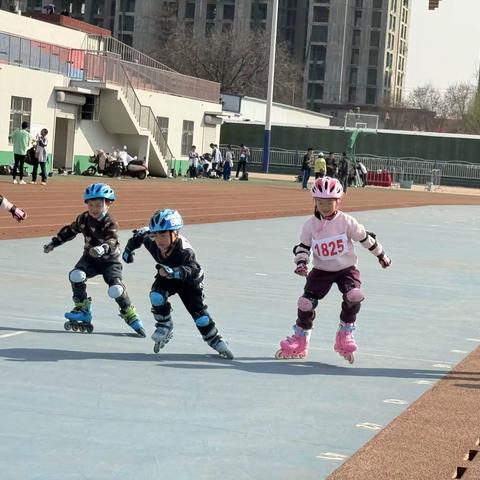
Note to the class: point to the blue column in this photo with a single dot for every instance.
(266, 151)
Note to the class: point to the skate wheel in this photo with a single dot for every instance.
(228, 355)
(67, 326)
(81, 329)
(279, 355)
(89, 328)
(350, 358)
(156, 347)
(75, 327)
(141, 333)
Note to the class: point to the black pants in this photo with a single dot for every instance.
(193, 299)
(43, 169)
(111, 272)
(19, 161)
(242, 165)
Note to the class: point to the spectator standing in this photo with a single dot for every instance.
(193, 162)
(41, 157)
(307, 164)
(331, 165)
(320, 166)
(362, 173)
(243, 157)
(228, 164)
(21, 140)
(343, 171)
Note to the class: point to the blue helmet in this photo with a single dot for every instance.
(165, 221)
(99, 190)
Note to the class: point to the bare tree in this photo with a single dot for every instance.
(236, 59)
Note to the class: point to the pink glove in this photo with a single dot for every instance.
(384, 261)
(301, 269)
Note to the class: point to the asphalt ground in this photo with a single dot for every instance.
(103, 405)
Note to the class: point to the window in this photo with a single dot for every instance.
(163, 124)
(127, 23)
(376, 19)
(321, 14)
(89, 111)
(211, 11)
(371, 96)
(127, 6)
(378, 4)
(357, 19)
(190, 10)
(355, 56)
(318, 53)
(127, 39)
(228, 12)
(315, 91)
(358, 3)
(353, 75)
(372, 76)
(356, 38)
(352, 95)
(319, 33)
(259, 11)
(317, 71)
(187, 137)
(374, 38)
(20, 111)
(373, 57)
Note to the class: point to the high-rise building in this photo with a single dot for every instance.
(356, 53)
(353, 52)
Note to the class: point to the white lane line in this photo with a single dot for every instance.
(6, 335)
(262, 274)
(331, 456)
(473, 339)
(424, 382)
(458, 351)
(369, 426)
(395, 401)
(441, 365)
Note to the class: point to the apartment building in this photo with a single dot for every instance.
(354, 52)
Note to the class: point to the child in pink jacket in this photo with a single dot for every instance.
(329, 235)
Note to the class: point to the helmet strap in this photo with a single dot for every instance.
(321, 217)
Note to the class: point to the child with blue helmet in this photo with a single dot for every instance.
(101, 256)
(177, 272)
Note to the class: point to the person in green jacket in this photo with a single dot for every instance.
(21, 140)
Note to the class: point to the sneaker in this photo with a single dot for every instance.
(22, 182)
(33, 183)
(44, 183)
(15, 181)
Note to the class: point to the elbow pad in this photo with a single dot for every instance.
(370, 242)
(302, 253)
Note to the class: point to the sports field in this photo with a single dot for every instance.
(103, 405)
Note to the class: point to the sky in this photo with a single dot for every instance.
(444, 44)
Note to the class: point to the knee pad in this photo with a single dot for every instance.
(158, 299)
(307, 304)
(115, 291)
(77, 276)
(203, 321)
(354, 296)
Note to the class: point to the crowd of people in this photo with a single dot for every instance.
(347, 172)
(214, 164)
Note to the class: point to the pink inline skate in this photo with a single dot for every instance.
(345, 344)
(295, 346)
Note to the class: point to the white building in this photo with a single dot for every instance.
(92, 92)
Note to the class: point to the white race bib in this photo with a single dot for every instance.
(331, 247)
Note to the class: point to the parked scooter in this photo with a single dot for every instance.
(119, 164)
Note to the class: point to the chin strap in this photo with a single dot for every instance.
(321, 217)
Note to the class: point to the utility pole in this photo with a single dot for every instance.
(271, 75)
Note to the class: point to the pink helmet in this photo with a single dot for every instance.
(327, 187)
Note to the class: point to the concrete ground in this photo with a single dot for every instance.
(78, 406)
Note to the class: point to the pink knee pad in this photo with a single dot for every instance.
(355, 295)
(305, 304)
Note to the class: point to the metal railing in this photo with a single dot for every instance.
(102, 44)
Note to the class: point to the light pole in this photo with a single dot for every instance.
(342, 61)
(271, 74)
